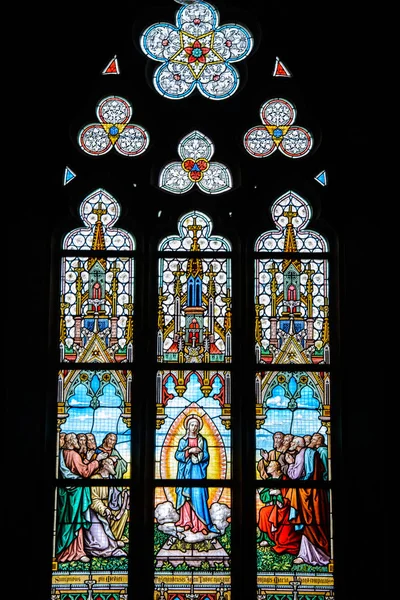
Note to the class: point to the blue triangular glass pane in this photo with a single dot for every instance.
(321, 178)
(68, 175)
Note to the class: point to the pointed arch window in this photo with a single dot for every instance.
(91, 524)
(292, 382)
(192, 497)
(234, 365)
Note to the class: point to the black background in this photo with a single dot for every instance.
(330, 53)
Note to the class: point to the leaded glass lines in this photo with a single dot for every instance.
(194, 300)
(96, 303)
(278, 132)
(292, 421)
(196, 53)
(195, 168)
(114, 130)
(192, 521)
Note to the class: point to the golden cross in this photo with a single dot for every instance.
(99, 211)
(290, 214)
(195, 228)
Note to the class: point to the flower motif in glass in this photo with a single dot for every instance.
(278, 116)
(195, 151)
(114, 130)
(196, 53)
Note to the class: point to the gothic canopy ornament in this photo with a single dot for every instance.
(195, 168)
(278, 132)
(196, 53)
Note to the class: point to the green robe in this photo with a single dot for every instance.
(72, 514)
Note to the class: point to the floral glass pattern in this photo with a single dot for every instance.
(196, 53)
(195, 295)
(97, 292)
(92, 405)
(292, 293)
(195, 151)
(278, 132)
(114, 130)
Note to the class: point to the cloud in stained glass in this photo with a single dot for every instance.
(114, 130)
(196, 53)
(278, 132)
(195, 168)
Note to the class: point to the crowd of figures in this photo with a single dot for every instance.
(91, 519)
(295, 520)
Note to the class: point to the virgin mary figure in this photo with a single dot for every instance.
(193, 458)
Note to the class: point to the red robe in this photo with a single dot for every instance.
(74, 462)
(274, 521)
(312, 509)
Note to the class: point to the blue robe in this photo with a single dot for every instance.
(194, 467)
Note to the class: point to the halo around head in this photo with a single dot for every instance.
(196, 418)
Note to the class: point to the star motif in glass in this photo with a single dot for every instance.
(196, 53)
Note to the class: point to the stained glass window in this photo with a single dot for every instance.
(114, 130)
(192, 403)
(195, 303)
(293, 412)
(195, 168)
(96, 303)
(92, 516)
(292, 292)
(196, 53)
(192, 529)
(278, 132)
